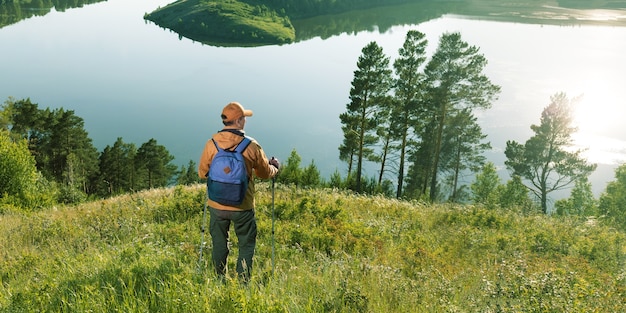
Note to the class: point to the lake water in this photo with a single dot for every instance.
(131, 79)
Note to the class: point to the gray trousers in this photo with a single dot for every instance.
(244, 223)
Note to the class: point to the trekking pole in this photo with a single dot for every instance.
(202, 230)
(273, 180)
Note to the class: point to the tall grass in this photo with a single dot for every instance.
(335, 252)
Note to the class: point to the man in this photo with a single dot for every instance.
(241, 216)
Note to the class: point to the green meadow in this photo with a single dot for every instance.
(334, 252)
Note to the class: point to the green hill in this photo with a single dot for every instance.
(335, 252)
(248, 23)
(224, 22)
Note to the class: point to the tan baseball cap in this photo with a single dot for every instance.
(233, 111)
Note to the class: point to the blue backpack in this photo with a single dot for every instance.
(227, 180)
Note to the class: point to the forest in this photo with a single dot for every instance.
(50, 158)
(414, 118)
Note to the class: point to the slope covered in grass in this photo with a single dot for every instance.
(335, 252)
(224, 22)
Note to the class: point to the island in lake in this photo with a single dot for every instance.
(256, 23)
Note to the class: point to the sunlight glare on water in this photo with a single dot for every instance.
(603, 15)
(598, 115)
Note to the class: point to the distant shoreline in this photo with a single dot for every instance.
(240, 24)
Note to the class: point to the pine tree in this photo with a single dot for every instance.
(153, 162)
(25, 120)
(117, 168)
(580, 202)
(72, 158)
(455, 83)
(485, 186)
(545, 160)
(514, 194)
(291, 173)
(311, 176)
(463, 149)
(408, 95)
(370, 88)
(188, 175)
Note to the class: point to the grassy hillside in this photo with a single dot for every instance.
(335, 252)
(224, 22)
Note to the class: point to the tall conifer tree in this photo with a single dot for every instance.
(118, 167)
(455, 82)
(545, 160)
(408, 95)
(153, 162)
(370, 88)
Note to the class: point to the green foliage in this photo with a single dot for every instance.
(153, 165)
(69, 195)
(64, 155)
(290, 171)
(311, 176)
(188, 175)
(545, 160)
(457, 86)
(118, 173)
(21, 186)
(57, 139)
(489, 192)
(336, 181)
(18, 173)
(13, 11)
(581, 201)
(424, 117)
(485, 187)
(514, 194)
(250, 22)
(611, 202)
(368, 97)
(335, 252)
(409, 80)
(205, 21)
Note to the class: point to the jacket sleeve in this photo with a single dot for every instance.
(205, 158)
(262, 167)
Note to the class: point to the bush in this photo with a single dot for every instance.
(18, 173)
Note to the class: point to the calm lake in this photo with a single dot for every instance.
(131, 79)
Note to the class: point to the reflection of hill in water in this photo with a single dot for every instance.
(563, 12)
(13, 11)
(381, 19)
(572, 12)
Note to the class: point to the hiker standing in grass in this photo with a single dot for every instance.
(225, 212)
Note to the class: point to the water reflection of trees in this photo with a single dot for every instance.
(567, 12)
(381, 19)
(13, 11)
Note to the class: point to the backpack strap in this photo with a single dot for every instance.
(234, 131)
(242, 145)
(215, 143)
